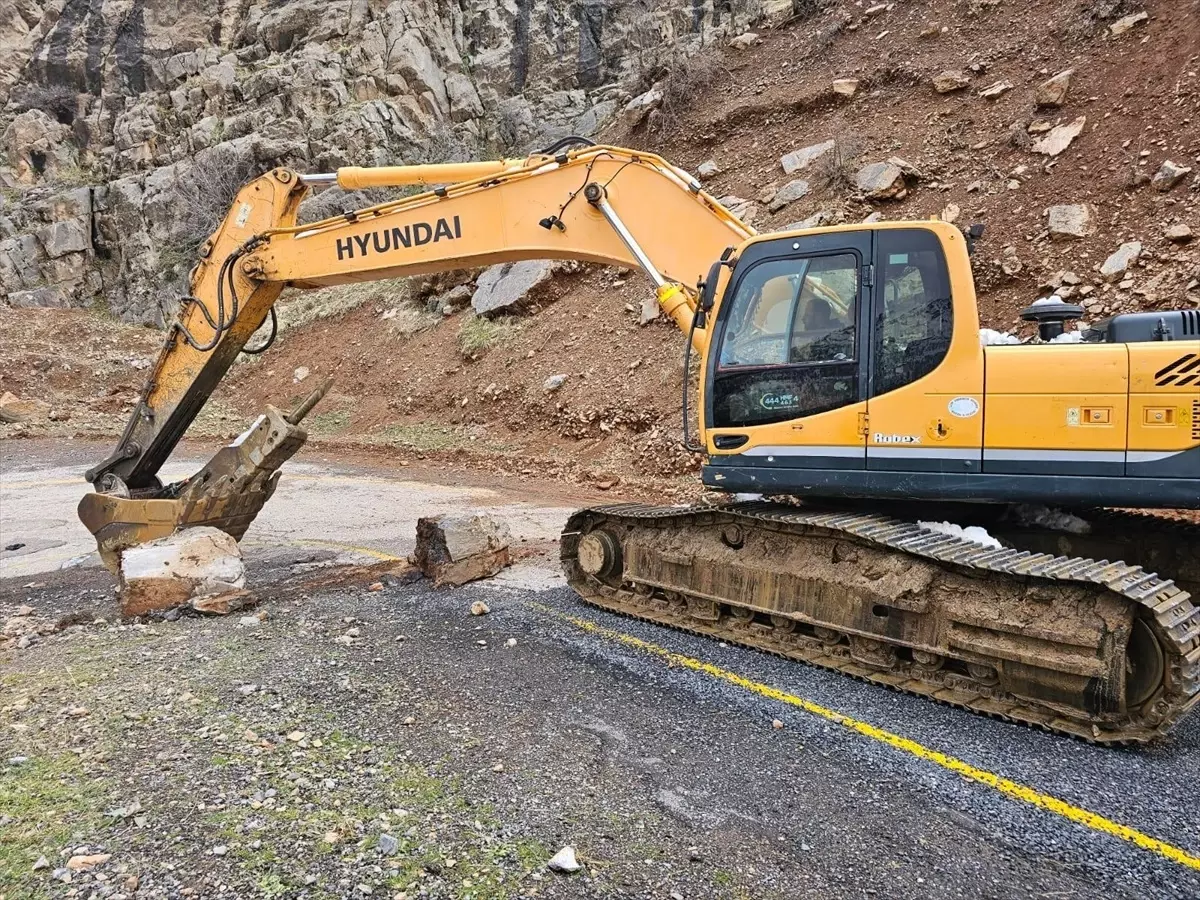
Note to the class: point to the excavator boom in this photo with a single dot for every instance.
(598, 204)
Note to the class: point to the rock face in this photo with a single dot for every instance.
(200, 97)
(196, 565)
(456, 549)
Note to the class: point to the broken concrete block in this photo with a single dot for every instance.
(197, 565)
(457, 549)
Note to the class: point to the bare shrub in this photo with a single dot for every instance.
(834, 171)
(205, 191)
(685, 81)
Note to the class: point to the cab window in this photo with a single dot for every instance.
(788, 347)
(913, 312)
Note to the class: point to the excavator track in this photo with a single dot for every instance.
(1099, 650)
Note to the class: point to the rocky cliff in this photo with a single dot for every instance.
(128, 123)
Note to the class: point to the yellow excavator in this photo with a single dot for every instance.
(841, 374)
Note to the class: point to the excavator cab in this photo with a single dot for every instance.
(847, 363)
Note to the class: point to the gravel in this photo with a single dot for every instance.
(490, 742)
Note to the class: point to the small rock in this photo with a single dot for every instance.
(1070, 220)
(951, 80)
(1059, 138)
(42, 863)
(745, 41)
(249, 621)
(87, 862)
(388, 845)
(789, 193)
(1128, 23)
(300, 374)
(1179, 234)
(1052, 93)
(1116, 265)
(62, 874)
(999, 89)
(498, 767)
(951, 212)
(1169, 175)
(776, 724)
(801, 159)
(375, 586)
(220, 850)
(650, 310)
(511, 642)
(553, 383)
(564, 861)
(479, 608)
(708, 169)
(845, 87)
(881, 181)
(24, 611)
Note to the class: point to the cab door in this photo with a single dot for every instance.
(925, 410)
(786, 376)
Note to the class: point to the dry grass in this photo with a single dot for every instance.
(407, 321)
(478, 334)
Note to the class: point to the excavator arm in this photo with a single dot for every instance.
(598, 204)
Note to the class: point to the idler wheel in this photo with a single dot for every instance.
(599, 554)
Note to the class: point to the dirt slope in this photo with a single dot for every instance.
(617, 414)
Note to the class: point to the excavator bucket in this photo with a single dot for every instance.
(226, 494)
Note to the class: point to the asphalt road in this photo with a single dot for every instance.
(652, 752)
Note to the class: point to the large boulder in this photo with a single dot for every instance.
(1070, 220)
(801, 159)
(456, 549)
(196, 566)
(503, 288)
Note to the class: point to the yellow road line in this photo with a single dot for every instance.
(1011, 789)
(338, 545)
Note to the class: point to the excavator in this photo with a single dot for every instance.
(841, 376)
